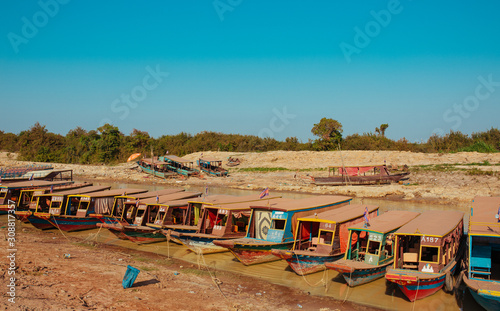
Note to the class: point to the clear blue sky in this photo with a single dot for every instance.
(250, 66)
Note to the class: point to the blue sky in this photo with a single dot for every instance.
(268, 68)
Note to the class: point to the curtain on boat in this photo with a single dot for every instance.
(262, 224)
(103, 205)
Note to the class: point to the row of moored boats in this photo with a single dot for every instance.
(420, 252)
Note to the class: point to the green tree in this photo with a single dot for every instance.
(381, 130)
(330, 133)
(109, 143)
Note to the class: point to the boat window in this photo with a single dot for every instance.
(221, 220)
(326, 237)
(3, 194)
(278, 224)
(373, 247)
(429, 254)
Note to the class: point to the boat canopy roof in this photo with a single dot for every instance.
(299, 204)
(151, 194)
(33, 183)
(341, 214)
(235, 206)
(171, 197)
(348, 166)
(227, 199)
(177, 159)
(114, 192)
(435, 223)
(156, 161)
(388, 222)
(210, 160)
(84, 190)
(482, 220)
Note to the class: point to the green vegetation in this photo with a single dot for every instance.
(195, 271)
(108, 145)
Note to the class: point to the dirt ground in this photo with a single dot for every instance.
(91, 279)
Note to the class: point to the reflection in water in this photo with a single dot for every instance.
(377, 293)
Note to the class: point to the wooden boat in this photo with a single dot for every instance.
(28, 198)
(358, 175)
(426, 253)
(180, 165)
(13, 173)
(48, 174)
(323, 237)
(10, 193)
(125, 206)
(44, 202)
(233, 161)
(75, 215)
(147, 211)
(371, 250)
(272, 226)
(482, 273)
(212, 167)
(218, 222)
(191, 216)
(155, 167)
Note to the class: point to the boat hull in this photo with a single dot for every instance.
(490, 300)
(250, 254)
(201, 245)
(306, 264)
(142, 236)
(354, 276)
(40, 223)
(74, 223)
(414, 287)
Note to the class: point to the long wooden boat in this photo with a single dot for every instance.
(125, 206)
(75, 215)
(147, 211)
(192, 215)
(44, 202)
(212, 167)
(358, 175)
(371, 248)
(426, 253)
(12, 173)
(323, 237)
(49, 174)
(272, 226)
(10, 193)
(482, 274)
(180, 165)
(218, 222)
(155, 167)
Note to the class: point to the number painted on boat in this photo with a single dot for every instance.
(223, 211)
(85, 199)
(57, 199)
(430, 240)
(3, 190)
(37, 193)
(53, 211)
(163, 209)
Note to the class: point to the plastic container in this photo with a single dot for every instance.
(130, 276)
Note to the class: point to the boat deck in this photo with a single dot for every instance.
(357, 264)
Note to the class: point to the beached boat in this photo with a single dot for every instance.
(218, 222)
(371, 250)
(10, 193)
(212, 167)
(426, 253)
(323, 237)
(48, 174)
(155, 167)
(272, 226)
(125, 206)
(14, 173)
(43, 202)
(75, 214)
(233, 161)
(147, 212)
(482, 274)
(179, 165)
(358, 175)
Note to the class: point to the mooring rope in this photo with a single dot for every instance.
(348, 287)
(416, 294)
(323, 279)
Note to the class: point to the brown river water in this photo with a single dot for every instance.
(376, 294)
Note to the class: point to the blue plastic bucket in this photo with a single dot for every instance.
(130, 276)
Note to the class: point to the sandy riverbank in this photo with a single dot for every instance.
(457, 183)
